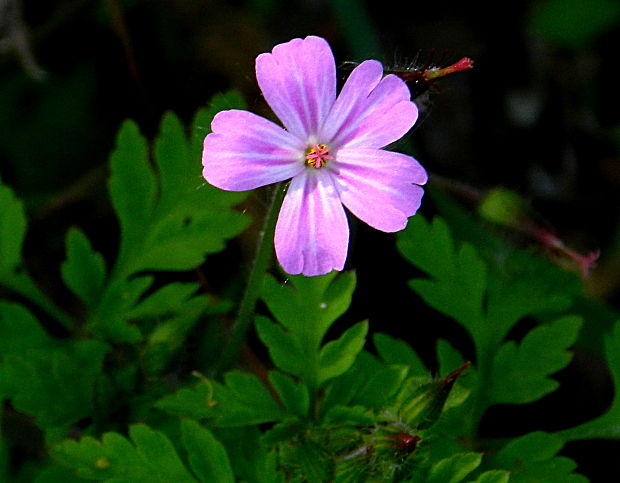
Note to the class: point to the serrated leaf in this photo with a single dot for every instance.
(148, 457)
(487, 300)
(493, 476)
(421, 238)
(606, 426)
(169, 336)
(84, 269)
(293, 395)
(306, 309)
(309, 305)
(181, 219)
(369, 383)
(529, 292)
(207, 456)
(12, 232)
(381, 385)
(337, 356)
(132, 187)
(395, 351)
(167, 300)
(461, 294)
(532, 457)
(284, 350)
(244, 400)
(111, 321)
(174, 162)
(182, 239)
(455, 468)
(34, 378)
(20, 330)
(195, 402)
(520, 372)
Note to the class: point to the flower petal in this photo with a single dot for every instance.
(312, 232)
(388, 116)
(246, 151)
(379, 187)
(298, 80)
(351, 104)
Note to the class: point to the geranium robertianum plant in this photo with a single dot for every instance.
(330, 147)
(137, 387)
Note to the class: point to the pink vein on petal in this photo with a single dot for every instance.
(351, 103)
(246, 151)
(380, 187)
(298, 80)
(312, 232)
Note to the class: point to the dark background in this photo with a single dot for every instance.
(538, 114)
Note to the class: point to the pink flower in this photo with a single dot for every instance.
(330, 148)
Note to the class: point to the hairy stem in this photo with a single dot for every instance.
(264, 254)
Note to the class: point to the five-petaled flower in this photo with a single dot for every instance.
(330, 148)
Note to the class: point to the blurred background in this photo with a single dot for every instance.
(539, 114)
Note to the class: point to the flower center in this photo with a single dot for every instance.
(317, 155)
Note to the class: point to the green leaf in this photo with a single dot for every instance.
(455, 468)
(458, 285)
(207, 457)
(520, 372)
(306, 309)
(394, 351)
(337, 356)
(179, 219)
(20, 331)
(132, 186)
(293, 395)
(12, 233)
(533, 289)
(175, 165)
(532, 457)
(245, 400)
(488, 299)
(33, 378)
(195, 402)
(368, 383)
(169, 336)
(284, 350)
(148, 457)
(111, 319)
(606, 426)
(307, 306)
(57, 474)
(165, 301)
(84, 269)
(493, 476)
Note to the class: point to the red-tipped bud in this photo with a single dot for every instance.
(436, 72)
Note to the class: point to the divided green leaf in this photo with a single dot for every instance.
(148, 456)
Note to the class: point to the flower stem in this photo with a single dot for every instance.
(264, 254)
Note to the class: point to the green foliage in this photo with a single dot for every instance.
(149, 456)
(607, 425)
(327, 405)
(36, 369)
(84, 270)
(305, 309)
(489, 300)
(575, 23)
(532, 457)
(12, 233)
(488, 305)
